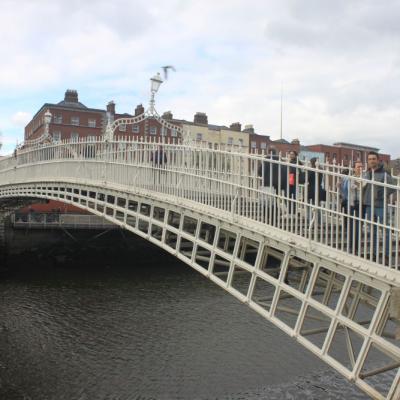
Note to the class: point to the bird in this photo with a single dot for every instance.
(166, 68)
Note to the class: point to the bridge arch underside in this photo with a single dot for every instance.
(342, 315)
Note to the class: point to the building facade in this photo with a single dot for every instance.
(215, 136)
(72, 120)
(346, 153)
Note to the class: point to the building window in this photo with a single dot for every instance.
(241, 142)
(253, 145)
(163, 131)
(135, 128)
(210, 145)
(230, 140)
(122, 128)
(74, 120)
(153, 130)
(327, 155)
(57, 119)
(263, 145)
(174, 132)
(57, 136)
(92, 123)
(199, 136)
(334, 156)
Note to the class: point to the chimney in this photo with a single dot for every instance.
(167, 115)
(248, 129)
(200, 118)
(71, 96)
(236, 126)
(139, 109)
(111, 108)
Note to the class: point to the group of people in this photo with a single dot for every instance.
(362, 193)
(284, 178)
(367, 198)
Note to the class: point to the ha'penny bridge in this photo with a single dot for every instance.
(326, 276)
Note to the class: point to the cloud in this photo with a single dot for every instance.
(21, 118)
(338, 61)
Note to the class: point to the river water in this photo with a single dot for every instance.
(143, 326)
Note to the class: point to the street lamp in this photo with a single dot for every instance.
(156, 81)
(47, 120)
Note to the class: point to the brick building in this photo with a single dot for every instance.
(346, 153)
(70, 120)
(73, 120)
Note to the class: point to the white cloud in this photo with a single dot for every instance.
(21, 118)
(339, 62)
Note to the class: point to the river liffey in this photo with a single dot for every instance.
(144, 327)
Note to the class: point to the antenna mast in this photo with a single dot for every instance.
(281, 108)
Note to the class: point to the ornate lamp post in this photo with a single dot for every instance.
(156, 82)
(47, 120)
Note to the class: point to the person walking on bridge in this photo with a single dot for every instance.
(295, 176)
(350, 191)
(375, 198)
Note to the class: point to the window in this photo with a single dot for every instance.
(253, 145)
(57, 119)
(153, 130)
(135, 128)
(122, 128)
(74, 136)
(241, 142)
(263, 145)
(334, 156)
(74, 120)
(163, 131)
(210, 145)
(57, 136)
(230, 140)
(92, 123)
(174, 133)
(199, 136)
(327, 154)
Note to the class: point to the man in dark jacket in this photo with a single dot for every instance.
(374, 199)
(295, 176)
(273, 174)
(316, 192)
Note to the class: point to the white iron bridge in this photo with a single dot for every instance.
(273, 233)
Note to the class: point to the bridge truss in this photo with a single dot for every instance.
(285, 258)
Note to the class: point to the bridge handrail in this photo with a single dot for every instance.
(216, 176)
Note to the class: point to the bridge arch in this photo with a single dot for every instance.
(206, 207)
(334, 311)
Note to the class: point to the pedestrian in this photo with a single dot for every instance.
(269, 173)
(375, 198)
(315, 191)
(159, 160)
(350, 189)
(295, 176)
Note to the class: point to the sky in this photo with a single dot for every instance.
(337, 63)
